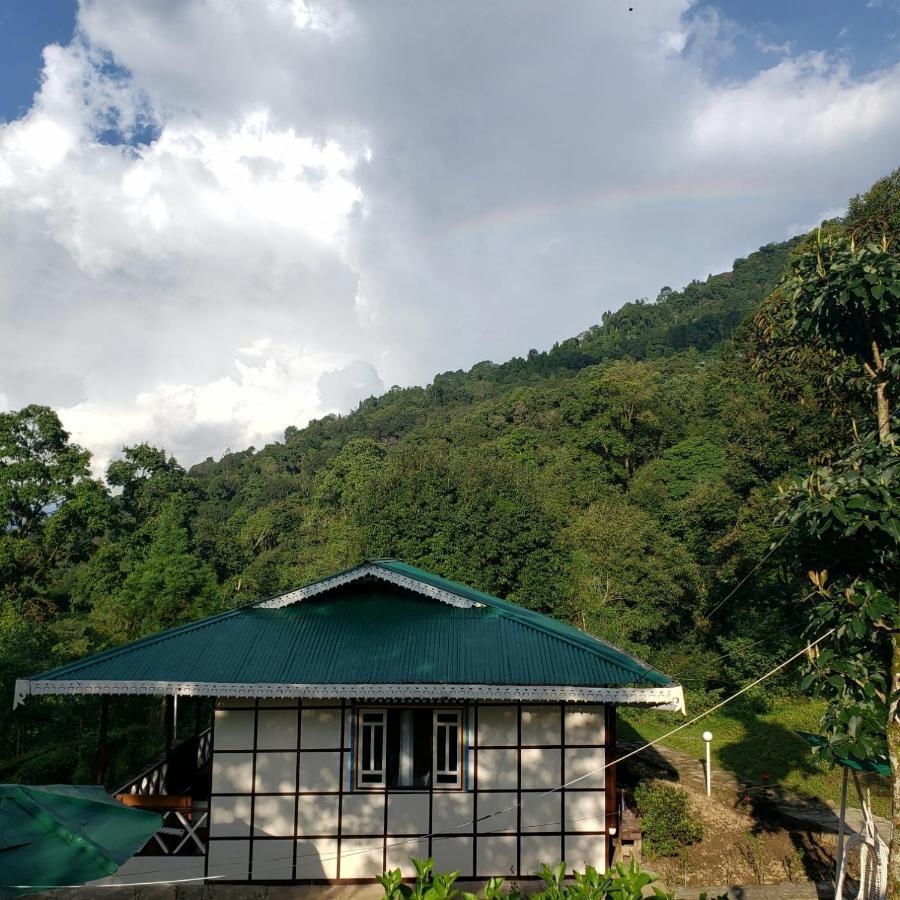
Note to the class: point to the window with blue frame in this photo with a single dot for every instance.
(412, 748)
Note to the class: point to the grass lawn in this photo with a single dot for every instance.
(751, 742)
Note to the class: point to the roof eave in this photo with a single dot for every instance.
(670, 697)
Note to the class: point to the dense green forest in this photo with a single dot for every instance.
(625, 480)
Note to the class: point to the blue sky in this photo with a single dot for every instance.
(866, 33)
(219, 218)
(26, 27)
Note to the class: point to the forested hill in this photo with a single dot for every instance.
(578, 420)
(623, 480)
(699, 318)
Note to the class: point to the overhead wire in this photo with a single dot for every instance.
(381, 846)
(646, 746)
(538, 796)
(720, 604)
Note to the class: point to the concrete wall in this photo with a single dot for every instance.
(284, 806)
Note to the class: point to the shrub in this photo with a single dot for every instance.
(666, 818)
(622, 883)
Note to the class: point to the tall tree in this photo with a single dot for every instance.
(632, 583)
(168, 586)
(147, 478)
(50, 508)
(39, 468)
(877, 211)
(850, 513)
(843, 298)
(847, 296)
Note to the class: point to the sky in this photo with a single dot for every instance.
(222, 218)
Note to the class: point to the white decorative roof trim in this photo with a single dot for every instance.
(370, 570)
(670, 698)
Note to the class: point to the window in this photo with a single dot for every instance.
(371, 748)
(412, 748)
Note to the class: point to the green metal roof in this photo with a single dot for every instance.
(359, 628)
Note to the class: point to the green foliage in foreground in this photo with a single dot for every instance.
(842, 297)
(840, 300)
(851, 510)
(666, 819)
(622, 883)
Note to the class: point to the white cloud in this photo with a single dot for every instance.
(342, 195)
(272, 385)
(806, 107)
(835, 212)
(340, 389)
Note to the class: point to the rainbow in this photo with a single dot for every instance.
(648, 193)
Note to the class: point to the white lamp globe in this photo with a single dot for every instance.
(707, 736)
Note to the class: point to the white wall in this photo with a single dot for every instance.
(284, 806)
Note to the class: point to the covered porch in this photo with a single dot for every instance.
(175, 785)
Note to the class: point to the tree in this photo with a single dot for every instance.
(843, 298)
(168, 586)
(467, 515)
(850, 511)
(807, 371)
(847, 296)
(50, 508)
(39, 468)
(836, 314)
(617, 412)
(876, 212)
(147, 478)
(633, 583)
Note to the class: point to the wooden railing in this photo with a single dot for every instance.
(173, 773)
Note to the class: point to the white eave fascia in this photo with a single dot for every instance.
(666, 698)
(369, 570)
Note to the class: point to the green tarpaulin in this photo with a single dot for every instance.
(65, 834)
(879, 766)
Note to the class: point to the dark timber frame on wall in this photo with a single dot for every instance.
(471, 746)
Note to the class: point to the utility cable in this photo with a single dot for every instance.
(419, 838)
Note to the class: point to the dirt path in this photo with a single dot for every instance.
(753, 832)
(688, 771)
(787, 890)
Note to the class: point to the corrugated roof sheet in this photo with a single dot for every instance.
(370, 632)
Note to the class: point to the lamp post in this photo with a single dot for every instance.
(707, 737)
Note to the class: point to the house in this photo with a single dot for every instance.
(380, 714)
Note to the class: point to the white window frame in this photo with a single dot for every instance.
(377, 725)
(446, 726)
(375, 719)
